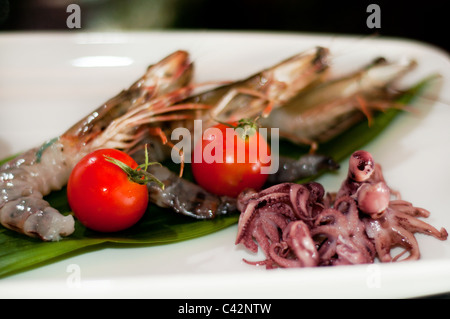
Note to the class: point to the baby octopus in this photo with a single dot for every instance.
(300, 226)
(389, 222)
(340, 235)
(278, 219)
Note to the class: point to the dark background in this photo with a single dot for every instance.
(426, 21)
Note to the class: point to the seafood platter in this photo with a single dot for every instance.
(116, 177)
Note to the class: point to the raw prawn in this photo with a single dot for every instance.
(254, 96)
(326, 110)
(267, 90)
(121, 123)
(27, 178)
(257, 95)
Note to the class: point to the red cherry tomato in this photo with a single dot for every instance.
(230, 174)
(102, 196)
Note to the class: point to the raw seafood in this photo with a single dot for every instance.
(301, 226)
(27, 178)
(135, 113)
(329, 108)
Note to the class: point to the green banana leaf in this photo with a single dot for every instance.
(162, 226)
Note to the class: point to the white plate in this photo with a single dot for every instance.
(48, 81)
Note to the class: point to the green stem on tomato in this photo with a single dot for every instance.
(138, 175)
(248, 127)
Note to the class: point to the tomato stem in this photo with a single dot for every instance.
(138, 175)
(247, 127)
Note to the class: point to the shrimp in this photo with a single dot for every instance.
(325, 105)
(269, 89)
(251, 97)
(254, 96)
(322, 112)
(25, 180)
